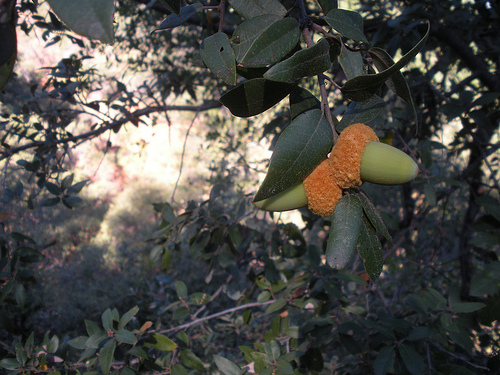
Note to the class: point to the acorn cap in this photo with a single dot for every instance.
(321, 189)
(346, 155)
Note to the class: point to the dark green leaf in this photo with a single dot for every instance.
(361, 112)
(302, 101)
(163, 343)
(435, 300)
(313, 359)
(95, 339)
(92, 327)
(269, 46)
(21, 354)
(264, 296)
(199, 298)
(397, 82)
(73, 202)
(373, 215)
(218, 56)
(19, 237)
(247, 33)
(253, 8)
(68, 180)
(485, 98)
(304, 63)
(88, 353)
(430, 194)
(275, 306)
(79, 342)
(255, 96)
(461, 337)
(488, 281)
(351, 62)
(172, 5)
(127, 317)
(419, 333)
(90, 18)
(412, 360)
(328, 5)
(106, 356)
(344, 231)
(126, 337)
(181, 290)
(20, 294)
(180, 313)
(283, 367)
(300, 148)
(107, 320)
(8, 54)
(50, 202)
(53, 188)
(190, 360)
(53, 345)
(76, 188)
(183, 337)
(384, 361)
(138, 351)
(467, 307)
(370, 250)
(362, 87)
(178, 370)
(175, 20)
(226, 366)
(346, 23)
(11, 364)
(490, 204)
(29, 255)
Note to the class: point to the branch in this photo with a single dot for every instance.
(133, 116)
(461, 48)
(459, 357)
(325, 106)
(216, 315)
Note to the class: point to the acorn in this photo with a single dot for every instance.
(357, 157)
(386, 165)
(290, 199)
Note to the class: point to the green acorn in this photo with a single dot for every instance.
(386, 165)
(380, 164)
(289, 199)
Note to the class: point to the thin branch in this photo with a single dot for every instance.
(212, 297)
(459, 357)
(182, 156)
(325, 106)
(109, 126)
(222, 15)
(216, 315)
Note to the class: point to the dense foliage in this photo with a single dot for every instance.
(212, 284)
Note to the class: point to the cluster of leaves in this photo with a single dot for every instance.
(265, 51)
(293, 313)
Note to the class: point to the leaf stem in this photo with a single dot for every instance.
(222, 15)
(325, 106)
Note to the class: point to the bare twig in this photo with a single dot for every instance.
(109, 126)
(222, 15)
(182, 155)
(457, 356)
(216, 315)
(325, 106)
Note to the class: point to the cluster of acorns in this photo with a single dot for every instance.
(358, 156)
